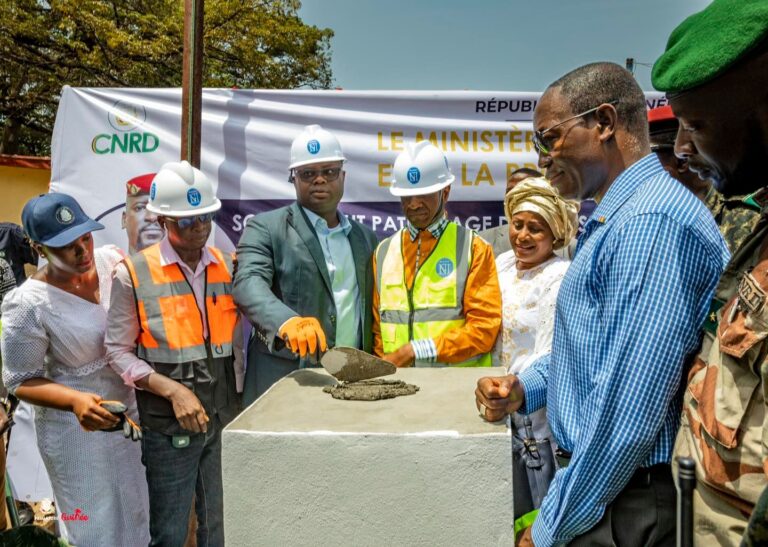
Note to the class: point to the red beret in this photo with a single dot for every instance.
(660, 114)
(139, 185)
(662, 121)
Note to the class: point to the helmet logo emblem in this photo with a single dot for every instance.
(65, 215)
(153, 191)
(193, 197)
(414, 175)
(313, 146)
(444, 267)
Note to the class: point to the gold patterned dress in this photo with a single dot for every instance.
(528, 300)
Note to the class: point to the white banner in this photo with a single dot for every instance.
(105, 137)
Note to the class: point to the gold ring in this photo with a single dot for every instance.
(483, 408)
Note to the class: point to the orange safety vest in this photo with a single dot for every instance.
(171, 325)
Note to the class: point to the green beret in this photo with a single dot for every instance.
(709, 42)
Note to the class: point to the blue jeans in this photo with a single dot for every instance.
(175, 477)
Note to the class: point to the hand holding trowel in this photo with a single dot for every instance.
(305, 336)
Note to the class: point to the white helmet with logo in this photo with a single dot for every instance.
(180, 190)
(314, 145)
(420, 169)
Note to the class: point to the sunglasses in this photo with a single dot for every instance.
(544, 145)
(308, 175)
(188, 222)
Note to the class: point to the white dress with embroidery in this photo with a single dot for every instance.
(528, 300)
(98, 479)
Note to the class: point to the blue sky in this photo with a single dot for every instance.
(505, 45)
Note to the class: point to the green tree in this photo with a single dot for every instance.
(139, 43)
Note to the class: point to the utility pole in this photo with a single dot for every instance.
(630, 64)
(192, 81)
(191, 118)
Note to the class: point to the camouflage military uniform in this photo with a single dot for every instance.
(757, 533)
(736, 216)
(724, 420)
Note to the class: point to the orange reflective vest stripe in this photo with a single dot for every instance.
(171, 325)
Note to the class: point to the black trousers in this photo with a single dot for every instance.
(642, 514)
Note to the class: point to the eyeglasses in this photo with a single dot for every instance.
(308, 175)
(187, 222)
(544, 145)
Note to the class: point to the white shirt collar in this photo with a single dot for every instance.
(321, 225)
(168, 255)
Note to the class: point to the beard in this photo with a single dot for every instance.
(749, 174)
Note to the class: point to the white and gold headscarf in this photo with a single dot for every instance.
(537, 195)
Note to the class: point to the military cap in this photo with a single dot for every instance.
(139, 185)
(709, 42)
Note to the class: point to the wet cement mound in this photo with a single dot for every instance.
(371, 390)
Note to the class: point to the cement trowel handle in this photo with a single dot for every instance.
(313, 358)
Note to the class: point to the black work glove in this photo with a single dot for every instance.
(131, 430)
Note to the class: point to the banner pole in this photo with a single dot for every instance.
(192, 80)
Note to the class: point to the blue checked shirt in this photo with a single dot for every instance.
(628, 316)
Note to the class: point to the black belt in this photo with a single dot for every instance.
(646, 475)
(643, 476)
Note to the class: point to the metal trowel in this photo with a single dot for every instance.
(352, 365)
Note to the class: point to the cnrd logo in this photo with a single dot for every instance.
(125, 116)
(127, 143)
(127, 119)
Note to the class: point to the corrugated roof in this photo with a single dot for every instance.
(28, 162)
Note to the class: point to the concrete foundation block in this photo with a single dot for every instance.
(302, 468)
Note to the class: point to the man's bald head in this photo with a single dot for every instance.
(598, 83)
(590, 125)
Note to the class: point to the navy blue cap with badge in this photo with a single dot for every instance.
(56, 220)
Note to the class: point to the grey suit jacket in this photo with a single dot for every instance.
(498, 238)
(281, 272)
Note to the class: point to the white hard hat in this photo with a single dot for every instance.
(180, 190)
(420, 169)
(314, 145)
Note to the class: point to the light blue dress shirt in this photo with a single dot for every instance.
(627, 318)
(341, 270)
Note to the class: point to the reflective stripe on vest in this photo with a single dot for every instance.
(171, 327)
(434, 305)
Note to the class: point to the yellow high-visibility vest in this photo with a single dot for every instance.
(434, 304)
